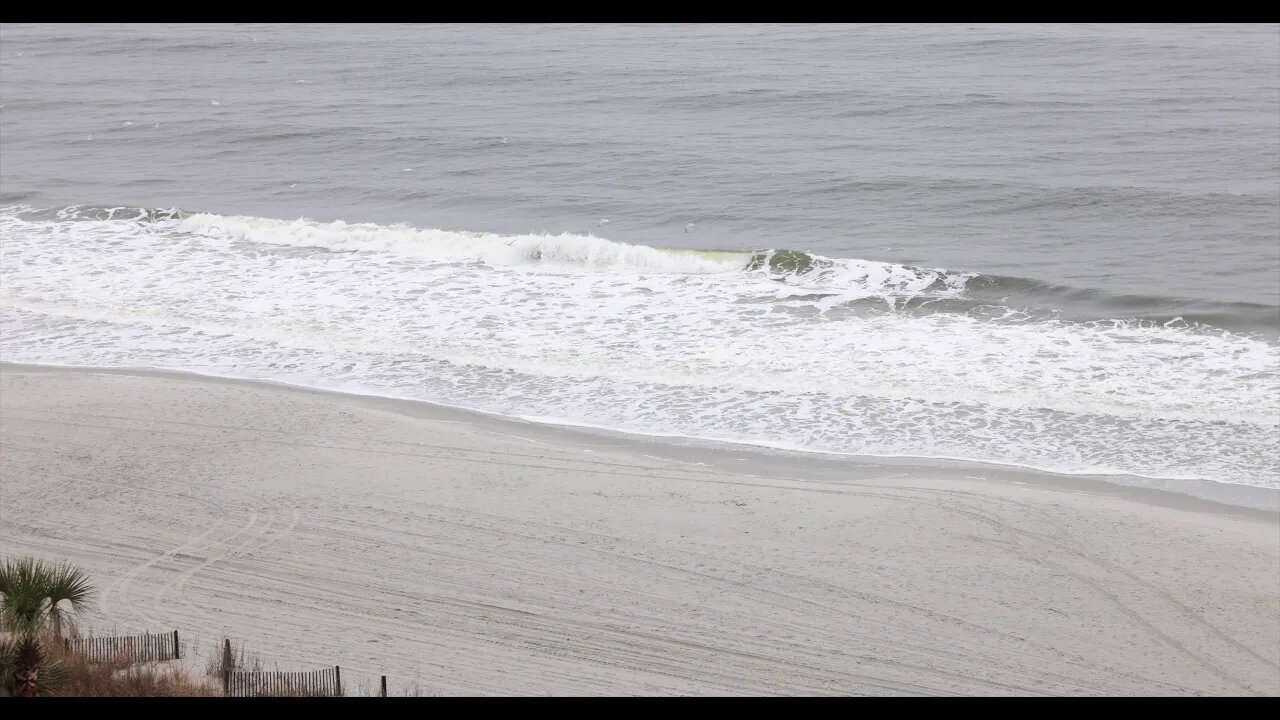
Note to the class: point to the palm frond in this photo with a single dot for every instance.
(69, 584)
(23, 607)
(8, 663)
(52, 675)
(31, 593)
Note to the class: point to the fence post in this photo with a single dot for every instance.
(226, 667)
(384, 686)
(177, 654)
(337, 679)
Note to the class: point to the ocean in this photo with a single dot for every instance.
(1054, 247)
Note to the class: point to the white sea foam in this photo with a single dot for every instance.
(760, 347)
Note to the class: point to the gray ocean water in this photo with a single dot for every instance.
(1052, 246)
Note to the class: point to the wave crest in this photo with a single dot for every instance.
(578, 250)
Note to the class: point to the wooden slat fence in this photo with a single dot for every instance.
(147, 647)
(317, 683)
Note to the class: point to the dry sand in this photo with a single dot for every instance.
(480, 556)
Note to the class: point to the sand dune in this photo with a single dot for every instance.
(478, 556)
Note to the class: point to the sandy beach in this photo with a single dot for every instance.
(473, 555)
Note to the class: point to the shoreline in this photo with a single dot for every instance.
(478, 556)
(1202, 495)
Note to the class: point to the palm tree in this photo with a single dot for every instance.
(32, 597)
